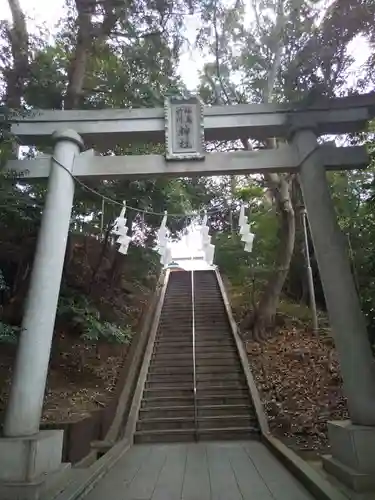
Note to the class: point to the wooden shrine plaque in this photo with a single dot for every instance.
(184, 130)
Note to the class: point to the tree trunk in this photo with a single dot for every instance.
(262, 320)
(77, 69)
(105, 245)
(19, 41)
(86, 39)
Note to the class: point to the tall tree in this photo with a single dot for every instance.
(266, 55)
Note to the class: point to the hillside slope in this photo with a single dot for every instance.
(297, 374)
(103, 297)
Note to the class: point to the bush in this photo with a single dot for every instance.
(8, 333)
(96, 330)
(81, 314)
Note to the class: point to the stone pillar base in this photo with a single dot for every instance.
(353, 451)
(43, 486)
(27, 463)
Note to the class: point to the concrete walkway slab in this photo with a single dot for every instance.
(199, 471)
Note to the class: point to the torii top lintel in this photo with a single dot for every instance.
(333, 116)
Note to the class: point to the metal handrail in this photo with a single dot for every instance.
(194, 363)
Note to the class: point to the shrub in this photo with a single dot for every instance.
(84, 316)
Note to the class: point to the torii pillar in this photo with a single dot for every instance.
(26, 453)
(353, 441)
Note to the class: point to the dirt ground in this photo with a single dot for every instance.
(298, 376)
(81, 378)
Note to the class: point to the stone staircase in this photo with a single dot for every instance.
(222, 407)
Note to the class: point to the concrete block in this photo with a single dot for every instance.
(353, 479)
(353, 445)
(353, 451)
(44, 487)
(29, 457)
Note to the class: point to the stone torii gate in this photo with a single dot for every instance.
(26, 453)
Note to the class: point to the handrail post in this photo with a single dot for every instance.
(194, 364)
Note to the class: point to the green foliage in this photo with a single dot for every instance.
(3, 285)
(81, 314)
(231, 259)
(8, 333)
(95, 330)
(239, 265)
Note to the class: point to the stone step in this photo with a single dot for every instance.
(164, 332)
(238, 410)
(183, 342)
(216, 354)
(199, 351)
(179, 285)
(174, 338)
(230, 390)
(167, 378)
(184, 323)
(187, 336)
(217, 399)
(229, 360)
(162, 436)
(184, 306)
(163, 411)
(209, 311)
(225, 421)
(210, 319)
(181, 355)
(173, 348)
(212, 378)
(169, 312)
(207, 306)
(171, 370)
(226, 342)
(203, 423)
(176, 335)
(184, 293)
(175, 327)
(174, 342)
(180, 301)
(199, 355)
(218, 369)
(176, 287)
(225, 410)
(160, 392)
(168, 321)
(210, 283)
(220, 351)
(210, 325)
(240, 383)
(228, 433)
(188, 360)
(187, 383)
(167, 401)
(173, 384)
(219, 338)
(200, 324)
(170, 363)
(184, 312)
(174, 295)
(165, 423)
(201, 330)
